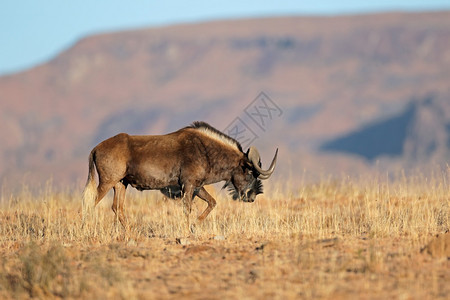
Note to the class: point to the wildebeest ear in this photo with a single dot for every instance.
(246, 163)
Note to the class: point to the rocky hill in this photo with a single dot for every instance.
(335, 94)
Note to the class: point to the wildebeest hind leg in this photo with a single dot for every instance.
(204, 195)
(102, 189)
(118, 202)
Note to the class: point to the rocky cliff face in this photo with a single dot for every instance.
(374, 87)
(420, 132)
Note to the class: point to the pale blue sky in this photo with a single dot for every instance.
(32, 32)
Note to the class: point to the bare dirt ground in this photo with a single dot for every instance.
(338, 240)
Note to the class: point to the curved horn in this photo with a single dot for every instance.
(254, 157)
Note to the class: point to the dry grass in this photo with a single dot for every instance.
(333, 239)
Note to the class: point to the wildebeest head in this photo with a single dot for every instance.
(245, 182)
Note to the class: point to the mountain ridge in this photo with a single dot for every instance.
(329, 75)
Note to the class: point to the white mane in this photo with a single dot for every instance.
(217, 135)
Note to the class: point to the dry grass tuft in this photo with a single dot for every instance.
(332, 239)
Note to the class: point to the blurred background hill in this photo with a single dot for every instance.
(355, 94)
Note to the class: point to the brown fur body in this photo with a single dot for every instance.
(177, 164)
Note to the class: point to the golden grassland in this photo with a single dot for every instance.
(334, 239)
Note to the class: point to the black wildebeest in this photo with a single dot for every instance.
(178, 164)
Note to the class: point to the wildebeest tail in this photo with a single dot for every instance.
(90, 189)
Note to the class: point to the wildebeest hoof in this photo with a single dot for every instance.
(183, 241)
(193, 228)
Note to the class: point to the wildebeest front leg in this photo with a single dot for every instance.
(119, 199)
(187, 203)
(204, 195)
